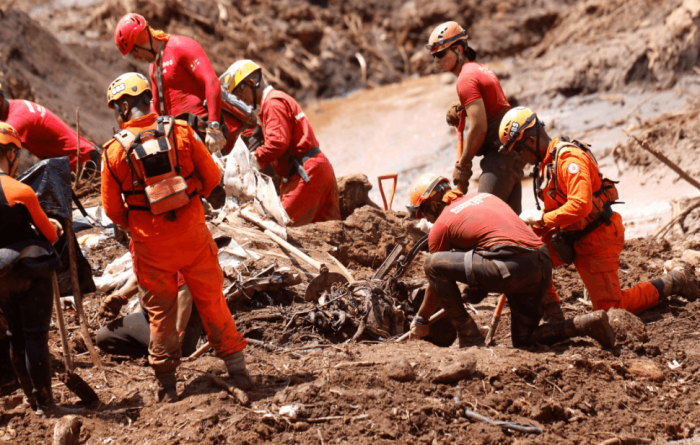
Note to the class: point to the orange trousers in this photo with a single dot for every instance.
(194, 254)
(597, 262)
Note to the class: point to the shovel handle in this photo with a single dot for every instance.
(436, 316)
(393, 176)
(496, 318)
(67, 353)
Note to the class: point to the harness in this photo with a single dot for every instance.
(603, 198)
(155, 168)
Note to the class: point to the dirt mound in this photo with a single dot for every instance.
(609, 45)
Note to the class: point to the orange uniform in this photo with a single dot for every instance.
(163, 247)
(598, 253)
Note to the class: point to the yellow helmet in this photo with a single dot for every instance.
(514, 124)
(445, 35)
(423, 188)
(8, 135)
(130, 84)
(237, 73)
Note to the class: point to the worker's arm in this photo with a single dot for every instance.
(114, 206)
(429, 305)
(478, 124)
(196, 60)
(26, 196)
(574, 178)
(155, 103)
(204, 164)
(278, 132)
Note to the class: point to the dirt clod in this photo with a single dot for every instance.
(400, 370)
(646, 369)
(456, 371)
(626, 326)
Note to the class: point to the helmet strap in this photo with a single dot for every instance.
(11, 164)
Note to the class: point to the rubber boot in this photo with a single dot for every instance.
(28, 388)
(468, 333)
(237, 371)
(680, 281)
(596, 326)
(553, 312)
(167, 390)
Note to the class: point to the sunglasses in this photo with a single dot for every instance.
(440, 54)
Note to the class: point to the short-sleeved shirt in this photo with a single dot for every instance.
(476, 82)
(44, 135)
(480, 221)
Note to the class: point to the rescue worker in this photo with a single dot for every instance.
(44, 135)
(130, 335)
(180, 70)
(146, 197)
(577, 223)
(26, 290)
(309, 191)
(479, 241)
(482, 104)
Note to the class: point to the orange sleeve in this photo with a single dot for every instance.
(574, 181)
(26, 196)
(112, 200)
(204, 164)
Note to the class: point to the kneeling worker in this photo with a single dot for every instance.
(309, 190)
(478, 240)
(148, 187)
(578, 223)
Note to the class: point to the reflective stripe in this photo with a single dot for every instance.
(29, 105)
(300, 116)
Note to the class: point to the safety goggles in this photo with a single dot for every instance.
(440, 54)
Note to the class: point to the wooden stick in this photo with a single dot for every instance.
(78, 170)
(661, 157)
(436, 316)
(298, 253)
(695, 202)
(67, 353)
(78, 295)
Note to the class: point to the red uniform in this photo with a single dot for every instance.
(13, 192)
(482, 221)
(476, 82)
(188, 79)
(288, 133)
(162, 248)
(598, 253)
(45, 135)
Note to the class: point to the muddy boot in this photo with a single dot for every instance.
(237, 371)
(468, 333)
(167, 390)
(596, 326)
(679, 281)
(553, 312)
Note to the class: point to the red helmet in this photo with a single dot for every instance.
(129, 31)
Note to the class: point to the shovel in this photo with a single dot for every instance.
(73, 381)
(496, 318)
(393, 176)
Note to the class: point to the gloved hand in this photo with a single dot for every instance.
(111, 306)
(419, 328)
(453, 113)
(461, 176)
(531, 216)
(57, 225)
(215, 140)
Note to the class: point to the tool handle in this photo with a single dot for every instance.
(501, 303)
(436, 316)
(393, 176)
(67, 353)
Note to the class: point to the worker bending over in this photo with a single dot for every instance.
(482, 104)
(27, 263)
(578, 223)
(479, 241)
(309, 189)
(180, 70)
(44, 135)
(149, 188)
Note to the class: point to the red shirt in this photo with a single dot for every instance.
(188, 79)
(287, 131)
(44, 134)
(475, 82)
(13, 192)
(143, 225)
(482, 221)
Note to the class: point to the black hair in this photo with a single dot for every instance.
(468, 50)
(133, 101)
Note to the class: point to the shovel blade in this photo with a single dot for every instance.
(79, 387)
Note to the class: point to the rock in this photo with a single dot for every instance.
(67, 431)
(626, 326)
(400, 370)
(549, 412)
(646, 369)
(353, 192)
(691, 257)
(456, 371)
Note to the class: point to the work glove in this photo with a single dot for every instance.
(215, 140)
(57, 225)
(461, 176)
(419, 328)
(453, 114)
(532, 217)
(111, 306)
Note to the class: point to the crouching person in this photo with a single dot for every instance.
(478, 240)
(148, 187)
